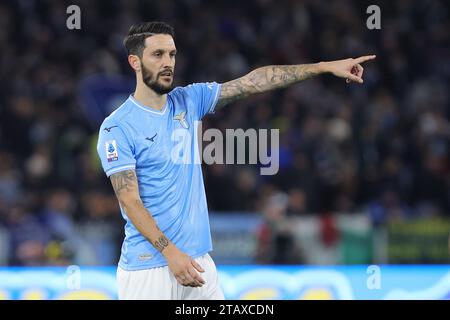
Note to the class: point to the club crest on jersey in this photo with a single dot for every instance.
(182, 118)
(111, 150)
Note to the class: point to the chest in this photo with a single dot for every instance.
(166, 140)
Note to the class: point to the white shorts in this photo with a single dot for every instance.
(160, 284)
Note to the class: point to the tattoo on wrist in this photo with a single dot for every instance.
(161, 243)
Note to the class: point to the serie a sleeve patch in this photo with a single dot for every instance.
(111, 150)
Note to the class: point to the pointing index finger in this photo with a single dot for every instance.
(364, 58)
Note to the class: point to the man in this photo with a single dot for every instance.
(167, 235)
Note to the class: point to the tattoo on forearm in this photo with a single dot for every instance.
(124, 181)
(161, 243)
(264, 79)
(284, 75)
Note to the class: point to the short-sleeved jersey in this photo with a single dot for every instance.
(162, 147)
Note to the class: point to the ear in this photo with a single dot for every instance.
(134, 62)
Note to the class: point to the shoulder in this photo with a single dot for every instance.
(196, 89)
(117, 116)
(180, 94)
(177, 91)
(201, 86)
(124, 110)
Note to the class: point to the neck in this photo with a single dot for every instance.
(149, 98)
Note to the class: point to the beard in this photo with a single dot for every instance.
(160, 88)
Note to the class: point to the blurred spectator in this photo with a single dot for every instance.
(277, 243)
(57, 218)
(10, 188)
(388, 208)
(100, 229)
(296, 203)
(27, 238)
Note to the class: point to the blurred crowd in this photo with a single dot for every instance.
(381, 148)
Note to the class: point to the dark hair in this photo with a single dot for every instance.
(134, 42)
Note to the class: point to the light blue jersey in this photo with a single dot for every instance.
(148, 140)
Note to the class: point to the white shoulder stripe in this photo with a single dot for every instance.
(216, 98)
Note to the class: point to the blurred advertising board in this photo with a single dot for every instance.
(245, 282)
(316, 240)
(424, 239)
(234, 237)
(337, 239)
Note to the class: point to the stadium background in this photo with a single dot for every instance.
(364, 170)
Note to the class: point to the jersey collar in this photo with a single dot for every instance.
(149, 109)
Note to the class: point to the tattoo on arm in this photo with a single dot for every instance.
(265, 79)
(161, 243)
(124, 181)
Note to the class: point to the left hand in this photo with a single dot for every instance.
(350, 69)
